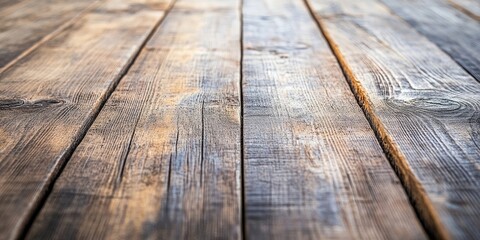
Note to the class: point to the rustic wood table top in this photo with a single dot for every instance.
(239, 119)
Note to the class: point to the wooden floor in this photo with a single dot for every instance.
(239, 119)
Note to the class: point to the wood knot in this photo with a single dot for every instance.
(434, 106)
(6, 104)
(437, 104)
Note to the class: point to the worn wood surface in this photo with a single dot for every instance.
(25, 24)
(424, 107)
(50, 97)
(469, 7)
(313, 169)
(239, 119)
(454, 32)
(162, 160)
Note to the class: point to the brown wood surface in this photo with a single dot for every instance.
(162, 160)
(50, 97)
(454, 32)
(239, 119)
(313, 167)
(424, 107)
(25, 24)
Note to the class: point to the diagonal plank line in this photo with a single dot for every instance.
(313, 178)
(51, 35)
(420, 202)
(463, 10)
(172, 95)
(460, 11)
(38, 204)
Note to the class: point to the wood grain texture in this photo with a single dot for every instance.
(50, 97)
(162, 160)
(27, 23)
(425, 108)
(454, 32)
(469, 7)
(313, 167)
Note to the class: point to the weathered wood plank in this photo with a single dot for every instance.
(313, 167)
(50, 97)
(28, 23)
(425, 108)
(469, 7)
(454, 32)
(162, 160)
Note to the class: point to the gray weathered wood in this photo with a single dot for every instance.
(469, 7)
(454, 32)
(28, 23)
(313, 167)
(162, 160)
(424, 107)
(50, 97)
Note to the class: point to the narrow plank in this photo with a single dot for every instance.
(313, 167)
(424, 107)
(454, 32)
(27, 23)
(469, 7)
(162, 160)
(50, 97)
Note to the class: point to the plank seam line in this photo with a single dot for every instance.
(202, 143)
(390, 10)
(242, 138)
(419, 201)
(39, 202)
(51, 35)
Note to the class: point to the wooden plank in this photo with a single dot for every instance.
(424, 107)
(49, 99)
(162, 160)
(313, 167)
(469, 7)
(454, 32)
(26, 24)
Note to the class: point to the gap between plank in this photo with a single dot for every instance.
(392, 12)
(51, 35)
(421, 204)
(242, 139)
(48, 187)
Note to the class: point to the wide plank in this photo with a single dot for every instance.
(424, 107)
(25, 24)
(454, 32)
(313, 166)
(50, 97)
(162, 160)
